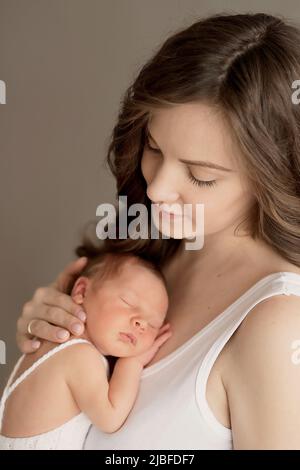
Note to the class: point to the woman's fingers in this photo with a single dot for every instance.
(52, 315)
(64, 324)
(69, 274)
(61, 317)
(26, 344)
(41, 329)
(49, 297)
(64, 302)
(54, 307)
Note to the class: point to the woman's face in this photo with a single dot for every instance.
(183, 141)
(133, 301)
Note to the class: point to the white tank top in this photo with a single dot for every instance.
(171, 411)
(69, 436)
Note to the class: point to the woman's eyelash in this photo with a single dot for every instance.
(200, 182)
(190, 176)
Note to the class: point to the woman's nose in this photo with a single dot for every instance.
(162, 187)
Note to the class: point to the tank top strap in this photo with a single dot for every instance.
(287, 283)
(10, 386)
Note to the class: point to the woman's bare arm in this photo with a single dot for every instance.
(264, 384)
(52, 313)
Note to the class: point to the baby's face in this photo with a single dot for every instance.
(133, 302)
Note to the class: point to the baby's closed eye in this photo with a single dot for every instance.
(135, 307)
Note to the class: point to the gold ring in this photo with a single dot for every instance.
(29, 327)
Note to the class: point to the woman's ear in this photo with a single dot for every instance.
(79, 289)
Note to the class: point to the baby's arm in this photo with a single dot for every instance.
(107, 404)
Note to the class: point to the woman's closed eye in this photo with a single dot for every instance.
(190, 176)
(198, 182)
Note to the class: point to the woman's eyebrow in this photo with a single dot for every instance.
(214, 166)
(201, 163)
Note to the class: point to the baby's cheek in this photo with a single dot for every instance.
(147, 341)
(151, 337)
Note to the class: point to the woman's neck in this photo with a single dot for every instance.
(218, 249)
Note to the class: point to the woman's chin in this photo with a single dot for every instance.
(173, 230)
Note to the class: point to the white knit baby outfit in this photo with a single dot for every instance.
(69, 436)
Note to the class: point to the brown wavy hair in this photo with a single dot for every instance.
(244, 65)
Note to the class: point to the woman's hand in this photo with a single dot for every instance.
(162, 336)
(51, 313)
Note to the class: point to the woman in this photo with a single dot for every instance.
(210, 119)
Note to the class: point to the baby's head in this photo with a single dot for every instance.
(122, 294)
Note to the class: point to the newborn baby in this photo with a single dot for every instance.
(54, 394)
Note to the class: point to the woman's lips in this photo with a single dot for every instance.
(170, 214)
(164, 213)
(128, 337)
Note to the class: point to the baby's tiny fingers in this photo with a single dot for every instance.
(163, 338)
(165, 327)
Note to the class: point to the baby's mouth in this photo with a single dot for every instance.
(128, 337)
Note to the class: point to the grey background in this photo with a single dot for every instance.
(66, 64)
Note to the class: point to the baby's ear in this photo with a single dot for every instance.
(79, 289)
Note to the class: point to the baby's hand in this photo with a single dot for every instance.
(162, 336)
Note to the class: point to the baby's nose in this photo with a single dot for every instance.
(140, 323)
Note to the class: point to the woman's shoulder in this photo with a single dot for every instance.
(264, 368)
(268, 331)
